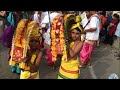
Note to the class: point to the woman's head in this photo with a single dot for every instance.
(87, 14)
(102, 13)
(115, 16)
(90, 13)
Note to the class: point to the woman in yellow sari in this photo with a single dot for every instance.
(70, 69)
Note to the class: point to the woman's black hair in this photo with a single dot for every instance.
(116, 15)
(103, 13)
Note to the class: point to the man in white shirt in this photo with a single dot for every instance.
(91, 30)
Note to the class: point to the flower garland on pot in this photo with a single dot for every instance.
(60, 36)
(58, 45)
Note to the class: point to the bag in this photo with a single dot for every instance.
(6, 36)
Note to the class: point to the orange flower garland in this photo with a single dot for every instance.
(58, 45)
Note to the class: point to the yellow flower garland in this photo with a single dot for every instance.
(32, 61)
(25, 75)
(60, 39)
(33, 58)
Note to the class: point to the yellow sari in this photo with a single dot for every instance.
(69, 69)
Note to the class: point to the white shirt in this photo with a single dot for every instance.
(94, 23)
(43, 14)
(36, 18)
(84, 21)
(46, 18)
(83, 15)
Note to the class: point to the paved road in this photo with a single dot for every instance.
(103, 64)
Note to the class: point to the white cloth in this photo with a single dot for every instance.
(117, 33)
(84, 21)
(36, 18)
(45, 20)
(43, 14)
(94, 23)
(83, 15)
(46, 36)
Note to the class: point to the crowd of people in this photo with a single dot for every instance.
(28, 34)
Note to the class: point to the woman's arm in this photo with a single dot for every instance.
(111, 25)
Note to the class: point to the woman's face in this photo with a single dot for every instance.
(113, 17)
(75, 34)
(34, 43)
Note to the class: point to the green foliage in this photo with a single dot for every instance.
(67, 25)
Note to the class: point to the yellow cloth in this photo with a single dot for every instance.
(78, 19)
(72, 43)
(69, 69)
(34, 28)
(20, 31)
(29, 75)
(78, 22)
(75, 26)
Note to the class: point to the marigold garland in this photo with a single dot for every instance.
(57, 38)
(25, 75)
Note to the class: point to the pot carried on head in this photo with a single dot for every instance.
(20, 42)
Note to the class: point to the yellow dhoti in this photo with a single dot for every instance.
(69, 70)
